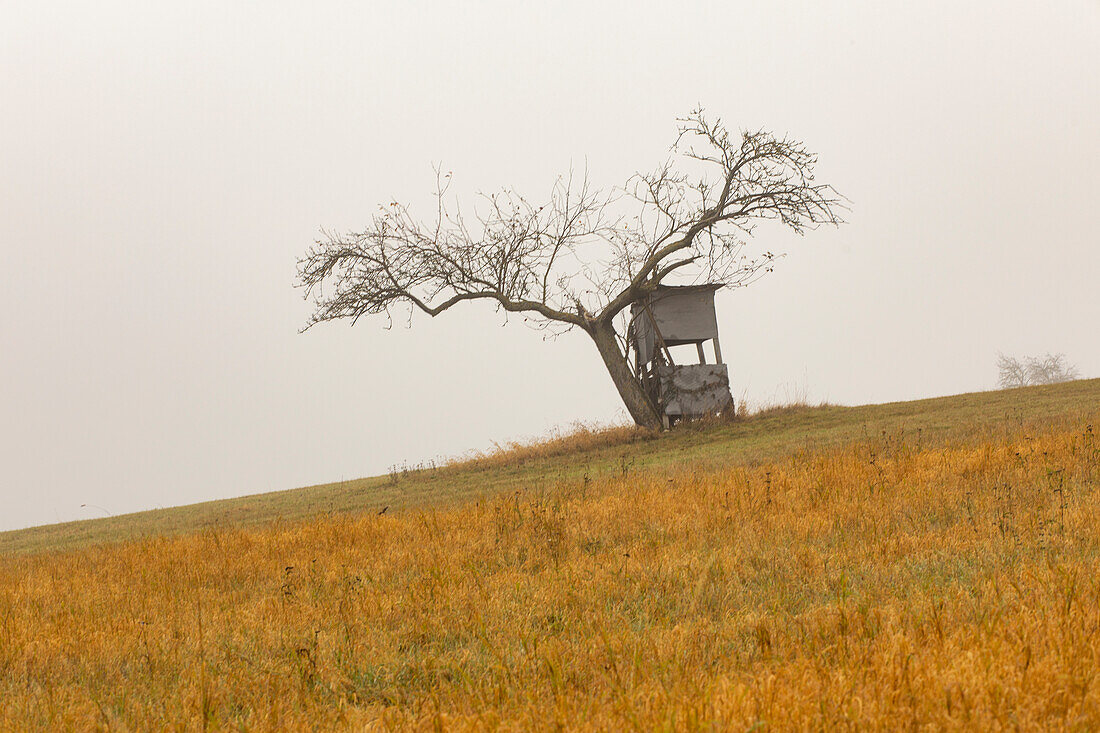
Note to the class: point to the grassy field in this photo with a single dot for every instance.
(765, 437)
(931, 564)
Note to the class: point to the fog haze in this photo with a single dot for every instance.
(164, 166)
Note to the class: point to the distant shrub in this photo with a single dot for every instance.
(1048, 369)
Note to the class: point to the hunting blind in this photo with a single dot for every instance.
(677, 316)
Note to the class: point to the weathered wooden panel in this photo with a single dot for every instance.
(683, 315)
(642, 334)
(694, 390)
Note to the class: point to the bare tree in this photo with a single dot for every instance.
(1012, 372)
(579, 259)
(1047, 369)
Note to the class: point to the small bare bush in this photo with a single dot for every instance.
(1048, 369)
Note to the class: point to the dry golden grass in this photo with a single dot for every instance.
(879, 584)
(579, 438)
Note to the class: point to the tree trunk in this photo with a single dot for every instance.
(630, 389)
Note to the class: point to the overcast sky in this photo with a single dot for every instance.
(163, 165)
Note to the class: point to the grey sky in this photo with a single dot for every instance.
(162, 167)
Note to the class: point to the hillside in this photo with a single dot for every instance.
(761, 438)
(922, 564)
(928, 564)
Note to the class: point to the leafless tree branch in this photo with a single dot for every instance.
(580, 258)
